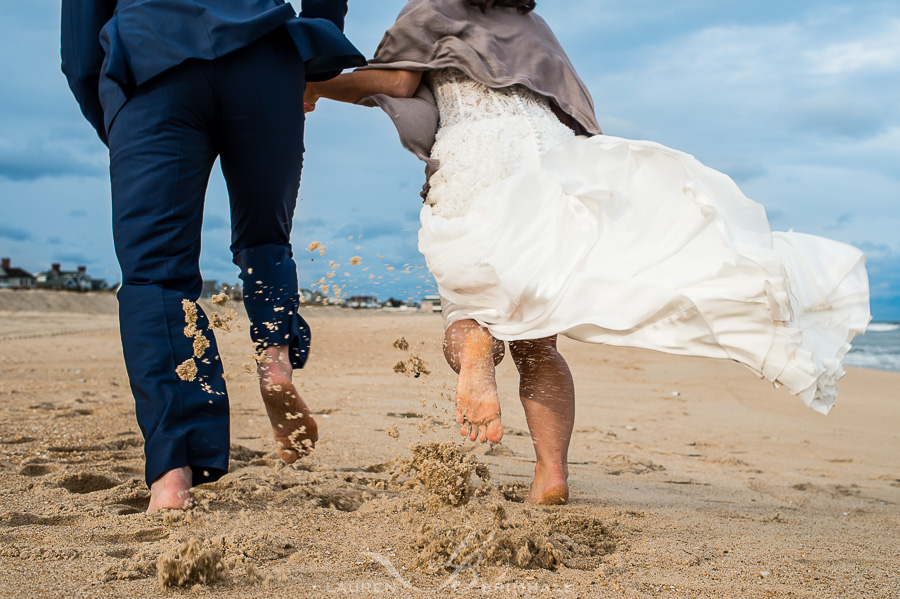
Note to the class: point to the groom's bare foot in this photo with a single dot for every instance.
(171, 491)
(293, 427)
(477, 402)
(550, 485)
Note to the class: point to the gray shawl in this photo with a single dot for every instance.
(498, 48)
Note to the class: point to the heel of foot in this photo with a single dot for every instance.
(554, 497)
(551, 495)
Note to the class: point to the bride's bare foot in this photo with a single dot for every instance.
(294, 429)
(550, 485)
(477, 402)
(171, 491)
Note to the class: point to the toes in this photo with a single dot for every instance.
(288, 456)
(495, 431)
(482, 434)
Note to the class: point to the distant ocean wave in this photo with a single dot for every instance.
(879, 348)
(882, 327)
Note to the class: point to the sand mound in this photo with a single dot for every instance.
(131, 565)
(492, 532)
(461, 525)
(33, 300)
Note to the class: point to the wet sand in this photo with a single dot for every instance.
(690, 477)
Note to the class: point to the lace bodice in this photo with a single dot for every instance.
(485, 136)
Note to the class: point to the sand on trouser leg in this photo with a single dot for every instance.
(689, 478)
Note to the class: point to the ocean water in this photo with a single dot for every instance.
(879, 348)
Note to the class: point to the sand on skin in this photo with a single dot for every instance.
(691, 478)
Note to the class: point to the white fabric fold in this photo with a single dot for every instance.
(631, 243)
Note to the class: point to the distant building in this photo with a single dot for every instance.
(210, 288)
(99, 285)
(234, 292)
(15, 278)
(56, 278)
(363, 301)
(431, 303)
(401, 305)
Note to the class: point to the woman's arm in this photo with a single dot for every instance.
(353, 87)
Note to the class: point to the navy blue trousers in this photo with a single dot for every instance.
(245, 108)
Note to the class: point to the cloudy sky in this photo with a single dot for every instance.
(797, 101)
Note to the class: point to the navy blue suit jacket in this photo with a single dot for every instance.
(111, 46)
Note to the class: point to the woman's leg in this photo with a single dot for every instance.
(548, 396)
(473, 353)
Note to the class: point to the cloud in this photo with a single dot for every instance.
(752, 81)
(742, 172)
(74, 257)
(213, 222)
(774, 215)
(311, 223)
(842, 114)
(375, 230)
(36, 159)
(841, 222)
(14, 233)
(884, 277)
(879, 53)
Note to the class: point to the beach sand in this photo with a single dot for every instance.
(690, 477)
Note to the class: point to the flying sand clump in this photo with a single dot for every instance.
(413, 366)
(189, 564)
(444, 470)
(316, 245)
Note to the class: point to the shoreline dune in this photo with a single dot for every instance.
(690, 477)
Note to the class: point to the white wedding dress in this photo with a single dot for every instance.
(533, 231)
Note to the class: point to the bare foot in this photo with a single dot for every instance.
(171, 491)
(477, 402)
(294, 429)
(550, 485)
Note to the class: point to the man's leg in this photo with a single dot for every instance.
(160, 159)
(548, 396)
(261, 95)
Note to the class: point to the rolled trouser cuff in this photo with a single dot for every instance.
(269, 278)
